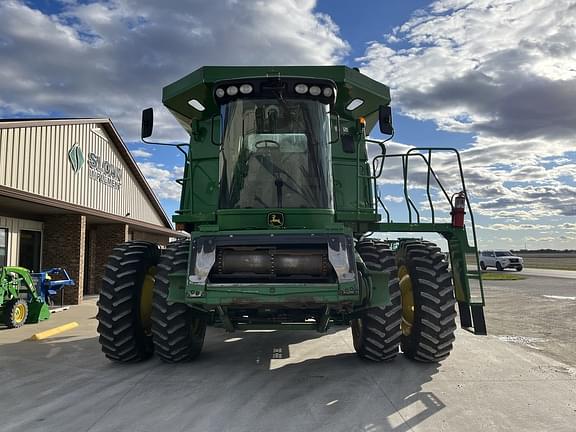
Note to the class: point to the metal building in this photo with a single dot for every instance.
(70, 191)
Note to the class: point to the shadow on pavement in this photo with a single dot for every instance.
(280, 381)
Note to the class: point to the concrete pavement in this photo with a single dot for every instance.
(277, 381)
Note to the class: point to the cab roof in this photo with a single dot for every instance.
(199, 85)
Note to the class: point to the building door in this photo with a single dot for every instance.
(30, 247)
(3, 247)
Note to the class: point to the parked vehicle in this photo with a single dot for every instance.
(500, 260)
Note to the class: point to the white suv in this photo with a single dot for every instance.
(501, 260)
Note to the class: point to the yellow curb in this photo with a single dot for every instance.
(54, 331)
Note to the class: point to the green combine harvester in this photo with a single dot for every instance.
(280, 198)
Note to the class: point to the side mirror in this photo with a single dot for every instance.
(147, 123)
(385, 120)
(216, 126)
(334, 128)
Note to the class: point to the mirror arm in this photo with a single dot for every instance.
(178, 146)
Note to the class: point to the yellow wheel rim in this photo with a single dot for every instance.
(19, 313)
(146, 299)
(407, 300)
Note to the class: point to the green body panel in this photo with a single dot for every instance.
(200, 83)
(296, 219)
(379, 284)
(11, 288)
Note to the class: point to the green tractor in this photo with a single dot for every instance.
(20, 302)
(280, 198)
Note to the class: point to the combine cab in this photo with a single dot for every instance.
(280, 198)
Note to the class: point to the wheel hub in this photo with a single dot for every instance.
(146, 300)
(19, 313)
(407, 296)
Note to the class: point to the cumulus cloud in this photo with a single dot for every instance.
(498, 68)
(504, 71)
(141, 153)
(162, 179)
(111, 59)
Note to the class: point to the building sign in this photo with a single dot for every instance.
(104, 171)
(76, 157)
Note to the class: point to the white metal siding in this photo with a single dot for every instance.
(14, 226)
(34, 159)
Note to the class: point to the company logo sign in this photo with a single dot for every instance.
(76, 157)
(276, 219)
(104, 171)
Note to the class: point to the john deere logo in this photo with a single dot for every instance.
(276, 219)
(76, 157)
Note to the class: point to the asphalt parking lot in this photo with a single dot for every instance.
(286, 381)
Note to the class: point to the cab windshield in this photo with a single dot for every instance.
(275, 154)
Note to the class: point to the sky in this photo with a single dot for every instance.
(495, 79)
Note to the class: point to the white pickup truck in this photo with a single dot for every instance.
(500, 260)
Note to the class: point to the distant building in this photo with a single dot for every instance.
(70, 191)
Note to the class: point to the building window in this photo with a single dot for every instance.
(3, 247)
(30, 246)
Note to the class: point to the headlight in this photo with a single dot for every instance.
(301, 88)
(315, 91)
(220, 92)
(246, 89)
(232, 91)
(327, 92)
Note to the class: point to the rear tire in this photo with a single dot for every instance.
(376, 334)
(15, 313)
(499, 266)
(178, 333)
(482, 265)
(430, 336)
(124, 336)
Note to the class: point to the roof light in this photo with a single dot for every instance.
(232, 91)
(195, 103)
(246, 89)
(315, 91)
(353, 104)
(220, 92)
(301, 88)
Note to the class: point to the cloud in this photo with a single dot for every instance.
(140, 153)
(111, 59)
(505, 72)
(497, 68)
(163, 180)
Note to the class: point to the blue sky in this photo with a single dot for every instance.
(494, 78)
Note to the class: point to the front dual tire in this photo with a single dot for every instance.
(135, 318)
(420, 319)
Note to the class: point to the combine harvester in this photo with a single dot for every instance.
(280, 198)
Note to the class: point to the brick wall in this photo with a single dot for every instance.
(63, 246)
(102, 239)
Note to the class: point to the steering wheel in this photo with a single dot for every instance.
(264, 144)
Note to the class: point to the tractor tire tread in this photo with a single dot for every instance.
(378, 339)
(120, 333)
(178, 335)
(433, 329)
